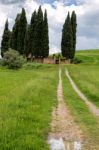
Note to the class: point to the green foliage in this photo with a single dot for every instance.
(21, 32)
(27, 42)
(33, 35)
(18, 32)
(28, 39)
(74, 26)
(37, 38)
(67, 39)
(39, 45)
(77, 60)
(0, 62)
(12, 59)
(45, 36)
(68, 44)
(14, 35)
(5, 39)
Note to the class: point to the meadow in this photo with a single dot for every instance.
(86, 76)
(27, 97)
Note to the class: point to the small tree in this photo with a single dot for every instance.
(5, 39)
(12, 59)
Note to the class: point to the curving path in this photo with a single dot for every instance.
(91, 106)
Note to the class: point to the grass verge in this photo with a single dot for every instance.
(87, 79)
(88, 123)
(26, 101)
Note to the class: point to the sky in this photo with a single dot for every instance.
(87, 19)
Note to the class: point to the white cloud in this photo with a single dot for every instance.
(87, 14)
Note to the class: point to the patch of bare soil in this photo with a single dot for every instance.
(63, 125)
(91, 106)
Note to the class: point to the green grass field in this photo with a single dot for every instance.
(28, 95)
(88, 57)
(86, 76)
(82, 116)
(26, 101)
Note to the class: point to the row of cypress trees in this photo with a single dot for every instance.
(27, 38)
(68, 44)
(37, 38)
(5, 43)
(33, 38)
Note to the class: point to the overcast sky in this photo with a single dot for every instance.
(87, 18)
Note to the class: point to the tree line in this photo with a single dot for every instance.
(33, 38)
(27, 38)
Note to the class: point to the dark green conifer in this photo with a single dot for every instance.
(45, 36)
(74, 30)
(27, 41)
(67, 39)
(21, 31)
(39, 34)
(14, 35)
(33, 34)
(5, 39)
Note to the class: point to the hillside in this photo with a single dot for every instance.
(88, 56)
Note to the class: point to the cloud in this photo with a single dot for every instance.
(87, 14)
(11, 1)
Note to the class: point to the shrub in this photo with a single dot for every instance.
(12, 59)
(77, 60)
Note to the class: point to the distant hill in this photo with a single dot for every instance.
(88, 56)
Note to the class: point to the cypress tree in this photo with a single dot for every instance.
(45, 36)
(33, 34)
(26, 42)
(21, 31)
(5, 39)
(14, 35)
(74, 26)
(39, 34)
(67, 38)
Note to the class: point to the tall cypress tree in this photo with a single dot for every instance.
(67, 38)
(21, 31)
(45, 36)
(27, 41)
(74, 30)
(39, 34)
(33, 34)
(5, 39)
(14, 35)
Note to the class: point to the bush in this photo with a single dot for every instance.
(77, 60)
(12, 59)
